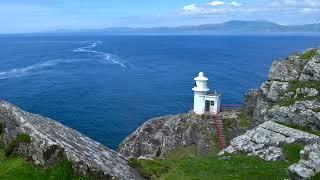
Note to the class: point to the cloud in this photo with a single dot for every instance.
(234, 3)
(216, 3)
(190, 7)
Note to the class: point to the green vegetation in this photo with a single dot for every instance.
(292, 152)
(244, 119)
(1, 128)
(316, 177)
(183, 163)
(294, 85)
(286, 102)
(308, 54)
(17, 168)
(21, 138)
(301, 128)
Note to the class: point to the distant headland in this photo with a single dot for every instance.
(234, 26)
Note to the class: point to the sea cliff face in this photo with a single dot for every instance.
(291, 93)
(52, 141)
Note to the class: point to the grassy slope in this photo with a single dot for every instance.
(17, 168)
(183, 163)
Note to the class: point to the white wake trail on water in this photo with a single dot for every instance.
(33, 69)
(106, 56)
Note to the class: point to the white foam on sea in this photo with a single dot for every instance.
(23, 71)
(106, 56)
(36, 68)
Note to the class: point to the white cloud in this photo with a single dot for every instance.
(234, 3)
(189, 7)
(216, 3)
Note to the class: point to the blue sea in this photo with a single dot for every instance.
(106, 86)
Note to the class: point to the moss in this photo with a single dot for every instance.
(308, 54)
(21, 138)
(292, 152)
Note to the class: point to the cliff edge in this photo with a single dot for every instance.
(52, 141)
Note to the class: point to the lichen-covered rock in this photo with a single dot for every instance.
(52, 141)
(301, 113)
(160, 135)
(284, 70)
(309, 164)
(266, 140)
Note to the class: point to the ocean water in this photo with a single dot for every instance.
(106, 86)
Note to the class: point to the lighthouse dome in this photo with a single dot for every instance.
(201, 77)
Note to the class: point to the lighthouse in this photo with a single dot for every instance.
(205, 102)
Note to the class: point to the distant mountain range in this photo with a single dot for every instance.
(234, 26)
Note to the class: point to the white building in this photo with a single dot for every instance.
(205, 102)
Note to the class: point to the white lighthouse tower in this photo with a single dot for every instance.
(204, 102)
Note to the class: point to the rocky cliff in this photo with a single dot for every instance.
(52, 141)
(158, 136)
(291, 93)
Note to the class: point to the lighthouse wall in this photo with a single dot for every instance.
(199, 102)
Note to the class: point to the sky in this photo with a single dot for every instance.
(17, 16)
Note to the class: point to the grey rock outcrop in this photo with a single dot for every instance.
(291, 93)
(309, 164)
(160, 135)
(267, 139)
(51, 141)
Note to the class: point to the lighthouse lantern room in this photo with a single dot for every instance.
(205, 102)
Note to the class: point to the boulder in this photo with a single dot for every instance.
(52, 141)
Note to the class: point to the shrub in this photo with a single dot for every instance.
(21, 138)
(308, 54)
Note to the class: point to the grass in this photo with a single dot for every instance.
(244, 119)
(184, 165)
(292, 152)
(294, 85)
(16, 167)
(13, 166)
(301, 128)
(316, 177)
(21, 138)
(308, 54)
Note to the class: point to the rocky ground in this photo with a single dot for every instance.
(52, 141)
